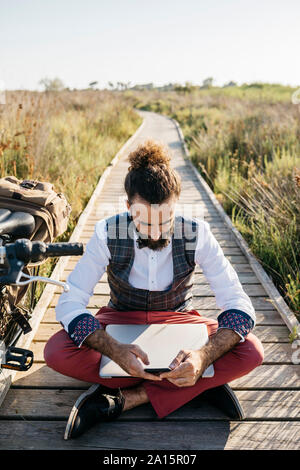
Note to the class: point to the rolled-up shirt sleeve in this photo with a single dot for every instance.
(238, 312)
(71, 309)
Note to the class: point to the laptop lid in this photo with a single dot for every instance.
(161, 342)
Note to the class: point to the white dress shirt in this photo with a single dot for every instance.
(152, 270)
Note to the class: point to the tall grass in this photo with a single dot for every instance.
(245, 141)
(66, 138)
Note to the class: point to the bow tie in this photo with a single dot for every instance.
(140, 243)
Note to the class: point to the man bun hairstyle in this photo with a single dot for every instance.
(150, 174)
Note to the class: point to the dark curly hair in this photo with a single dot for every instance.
(150, 175)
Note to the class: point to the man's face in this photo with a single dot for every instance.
(154, 223)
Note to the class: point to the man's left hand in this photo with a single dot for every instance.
(187, 368)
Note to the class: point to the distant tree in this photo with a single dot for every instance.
(187, 88)
(207, 83)
(169, 86)
(111, 85)
(231, 83)
(92, 84)
(122, 85)
(54, 84)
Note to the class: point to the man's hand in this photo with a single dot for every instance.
(125, 355)
(187, 367)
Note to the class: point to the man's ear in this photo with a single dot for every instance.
(127, 204)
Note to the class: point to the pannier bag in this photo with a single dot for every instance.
(50, 209)
(51, 213)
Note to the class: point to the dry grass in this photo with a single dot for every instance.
(67, 138)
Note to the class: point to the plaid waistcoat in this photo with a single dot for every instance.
(120, 241)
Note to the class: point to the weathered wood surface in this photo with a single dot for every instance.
(32, 404)
(36, 407)
(206, 435)
(277, 376)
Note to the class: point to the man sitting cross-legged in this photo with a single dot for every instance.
(150, 254)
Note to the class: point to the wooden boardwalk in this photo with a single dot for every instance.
(34, 412)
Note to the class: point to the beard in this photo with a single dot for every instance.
(162, 242)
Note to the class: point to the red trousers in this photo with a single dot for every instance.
(62, 355)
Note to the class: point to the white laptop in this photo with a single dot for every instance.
(161, 342)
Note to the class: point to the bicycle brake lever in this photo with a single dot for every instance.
(62, 284)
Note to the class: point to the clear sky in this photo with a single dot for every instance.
(142, 41)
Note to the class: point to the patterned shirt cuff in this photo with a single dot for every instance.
(236, 320)
(82, 326)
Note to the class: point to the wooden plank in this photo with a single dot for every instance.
(262, 404)
(259, 303)
(270, 377)
(277, 353)
(37, 347)
(159, 435)
(244, 278)
(40, 375)
(263, 377)
(269, 404)
(253, 290)
(58, 403)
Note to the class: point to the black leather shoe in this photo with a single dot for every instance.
(97, 404)
(223, 398)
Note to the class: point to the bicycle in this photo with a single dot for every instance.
(18, 252)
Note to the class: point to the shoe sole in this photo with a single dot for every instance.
(235, 400)
(75, 409)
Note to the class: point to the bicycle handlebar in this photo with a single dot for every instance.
(64, 249)
(28, 251)
(24, 251)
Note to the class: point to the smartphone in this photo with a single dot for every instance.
(157, 371)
